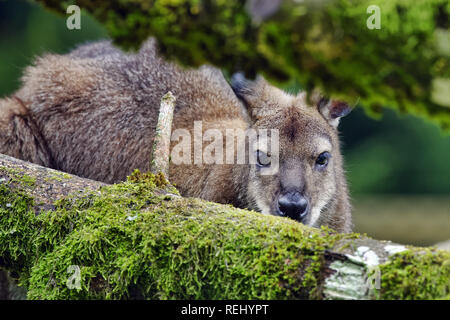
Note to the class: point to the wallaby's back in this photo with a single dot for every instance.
(93, 112)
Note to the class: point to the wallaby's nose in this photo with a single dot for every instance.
(293, 205)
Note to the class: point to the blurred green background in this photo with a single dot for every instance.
(398, 167)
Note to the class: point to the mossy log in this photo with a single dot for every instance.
(334, 45)
(64, 237)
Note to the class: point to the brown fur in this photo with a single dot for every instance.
(93, 113)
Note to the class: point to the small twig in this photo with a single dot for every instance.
(161, 143)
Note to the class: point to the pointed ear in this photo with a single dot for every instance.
(333, 110)
(258, 96)
(250, 93)
(242, 87)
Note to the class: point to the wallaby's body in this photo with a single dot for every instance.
(93, 113)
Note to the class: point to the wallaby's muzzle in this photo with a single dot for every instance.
(293, 205)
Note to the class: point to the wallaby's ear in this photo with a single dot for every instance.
(242, 87)
(249, 92)
(258, 96)
(333, 110)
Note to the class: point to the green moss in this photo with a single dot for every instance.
(416, 274)
(155, 181)
(135, 239)
(18, 177)
(59, 176)
(163, 250)
(17, 223)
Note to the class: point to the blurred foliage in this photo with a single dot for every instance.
(27, 30)
(327, 44)
(398, 154)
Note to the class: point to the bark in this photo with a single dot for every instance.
(140, 239)
(45, 185)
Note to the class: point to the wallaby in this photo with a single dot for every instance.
(93, 113)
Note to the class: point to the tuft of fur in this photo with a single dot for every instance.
(93, 113)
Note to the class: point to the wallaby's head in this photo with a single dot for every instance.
(308, 178)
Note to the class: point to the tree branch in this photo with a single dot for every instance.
(140, 239)
(161, 144)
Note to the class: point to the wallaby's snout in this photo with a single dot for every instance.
(293, 205)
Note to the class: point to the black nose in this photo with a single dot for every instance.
(293, 205)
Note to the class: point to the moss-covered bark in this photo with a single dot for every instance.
(404, 65)
(140, 239)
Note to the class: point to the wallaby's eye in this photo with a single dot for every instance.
(263, 159)
(322, 159)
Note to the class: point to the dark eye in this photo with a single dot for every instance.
(322, 159)
(262, 158)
